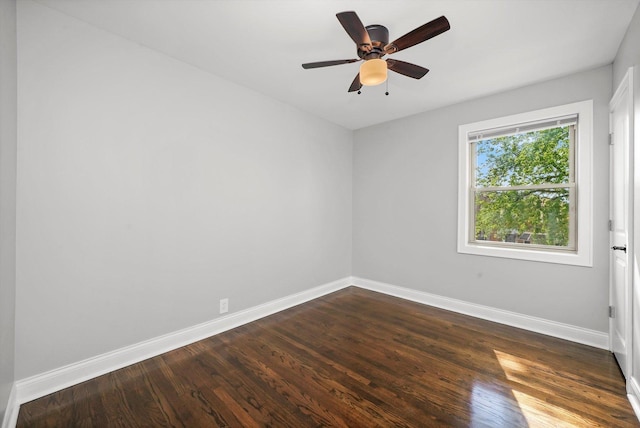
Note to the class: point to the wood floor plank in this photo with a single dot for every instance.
(354, 358)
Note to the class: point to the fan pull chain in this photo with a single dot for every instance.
(387, 92)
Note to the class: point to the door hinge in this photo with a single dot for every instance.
(612, 312)
(611, 138)
(610, 225)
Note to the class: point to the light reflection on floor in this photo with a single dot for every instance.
(533, 396)
(492, 406)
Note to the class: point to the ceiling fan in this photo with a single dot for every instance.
(372, 44)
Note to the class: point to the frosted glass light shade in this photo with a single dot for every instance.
(373, 72)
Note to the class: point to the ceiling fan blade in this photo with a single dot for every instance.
(406, 68)
(419, 35)
(355, 85)
(355, 29)
(318, 64)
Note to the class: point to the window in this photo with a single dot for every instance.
(524, 187)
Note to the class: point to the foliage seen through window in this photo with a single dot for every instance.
(524, 187)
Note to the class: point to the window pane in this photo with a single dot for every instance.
(536, 157)
(523, 216)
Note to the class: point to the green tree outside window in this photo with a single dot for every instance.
(523, 187)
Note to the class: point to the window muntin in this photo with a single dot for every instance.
(573, 195)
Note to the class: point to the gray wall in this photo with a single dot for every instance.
(405, 210)
(149, 189)
(629, 52)
(7, 197)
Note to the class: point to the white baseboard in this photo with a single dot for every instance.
(539, 325)
(13, 407)
(46, 383)
(634, 396)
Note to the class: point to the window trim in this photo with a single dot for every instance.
(582, 255)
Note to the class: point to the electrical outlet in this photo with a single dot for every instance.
(224, 306)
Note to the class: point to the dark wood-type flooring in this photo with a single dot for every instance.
(354, 358)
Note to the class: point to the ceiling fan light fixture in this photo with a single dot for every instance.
(373, 72)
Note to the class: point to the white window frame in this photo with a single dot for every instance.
(582, 255)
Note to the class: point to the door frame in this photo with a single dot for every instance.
(633, 383)
(626, 84)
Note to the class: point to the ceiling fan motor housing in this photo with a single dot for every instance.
(379, 36)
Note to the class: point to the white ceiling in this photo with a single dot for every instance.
(493, 45)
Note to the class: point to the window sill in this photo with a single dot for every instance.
(565, 257)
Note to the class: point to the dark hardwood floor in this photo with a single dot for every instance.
(354, 358)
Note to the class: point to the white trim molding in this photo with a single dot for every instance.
(573, 333)
(582, 254)
(633, 395)
(46, 383)
(13, 407)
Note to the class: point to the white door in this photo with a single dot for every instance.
(620, 235)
